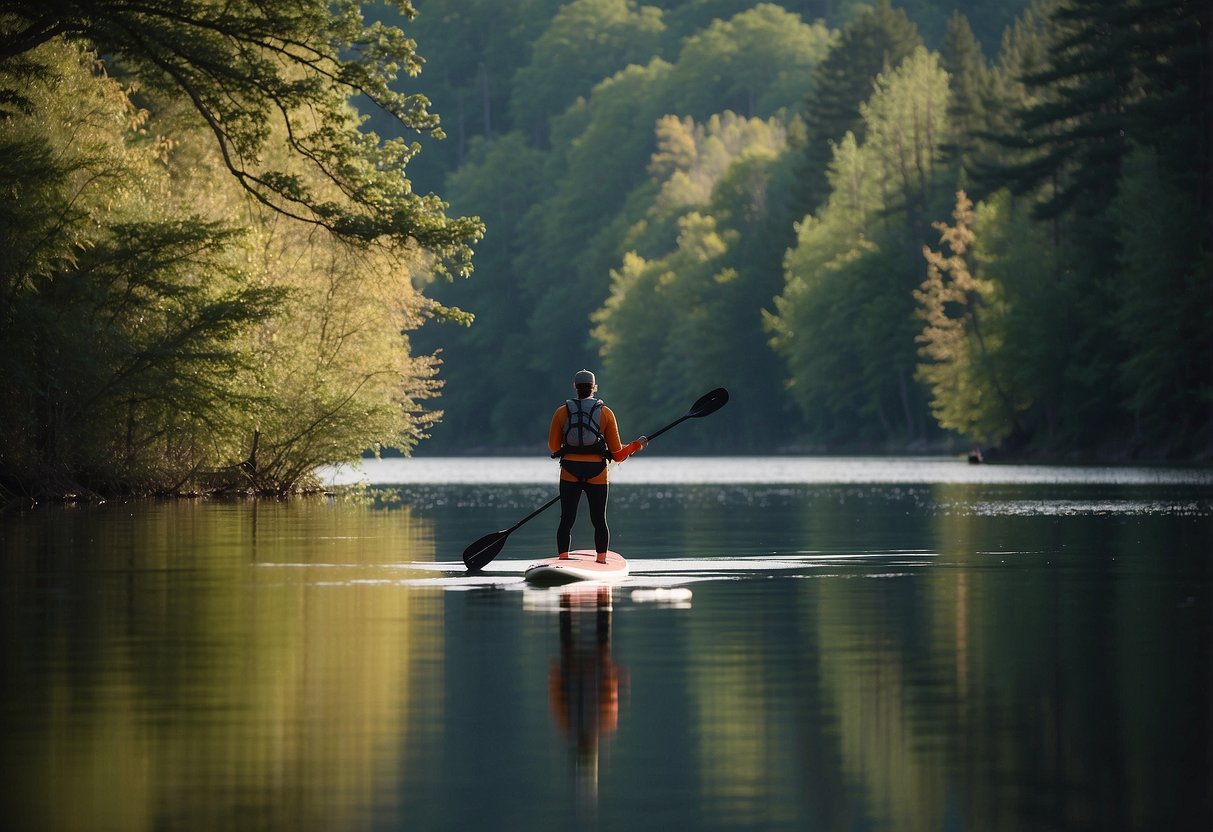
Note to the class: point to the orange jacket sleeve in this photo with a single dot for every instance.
(610, 430)
(556, 431)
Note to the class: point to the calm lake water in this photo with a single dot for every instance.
(804, 644)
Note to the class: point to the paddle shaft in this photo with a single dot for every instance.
(705, 405)
(480, 553)
(677, 421)
(537, 511)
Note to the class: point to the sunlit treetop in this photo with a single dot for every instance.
(253, 69)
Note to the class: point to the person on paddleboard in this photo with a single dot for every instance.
(584, 436)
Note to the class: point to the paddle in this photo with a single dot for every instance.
(705, 405)
(479, 554)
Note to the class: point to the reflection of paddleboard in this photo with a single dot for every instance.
(581, 565)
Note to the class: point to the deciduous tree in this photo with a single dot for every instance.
(849, 280)
(248, 65)
(970, 394)
(586, 41)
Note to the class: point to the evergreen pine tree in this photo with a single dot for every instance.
(1071, 137)
(962, 59)
(878, 40)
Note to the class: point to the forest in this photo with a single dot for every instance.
(247, 239)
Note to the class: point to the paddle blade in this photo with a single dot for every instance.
(709, 403)
(479, 554)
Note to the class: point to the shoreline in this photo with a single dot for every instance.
(64, 490)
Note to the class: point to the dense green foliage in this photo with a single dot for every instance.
(557, 254)
(882, 225)
(895, 225)
(878, 40)
(208, 269)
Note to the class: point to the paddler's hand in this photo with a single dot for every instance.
(629, 449)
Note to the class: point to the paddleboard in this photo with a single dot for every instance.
(581, 565)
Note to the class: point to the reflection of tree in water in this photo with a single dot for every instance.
(584, 682)
(225, 695)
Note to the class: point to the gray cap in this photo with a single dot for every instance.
(583, 377)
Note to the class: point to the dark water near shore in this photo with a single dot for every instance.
(812, 644)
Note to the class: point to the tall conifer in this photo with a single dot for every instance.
(876, 41)
(961, 58)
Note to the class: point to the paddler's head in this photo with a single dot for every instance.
(585, 383)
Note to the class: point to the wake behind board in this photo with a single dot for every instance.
(581, 565)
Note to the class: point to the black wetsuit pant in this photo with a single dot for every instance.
(570, 497)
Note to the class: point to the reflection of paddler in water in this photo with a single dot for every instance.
(584, 683)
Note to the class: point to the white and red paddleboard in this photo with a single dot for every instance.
(581, 565)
